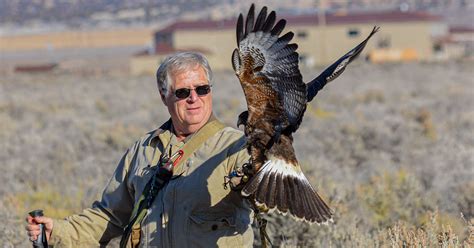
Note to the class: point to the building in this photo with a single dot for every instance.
(321, 39)
(100, 38)
(460, 43)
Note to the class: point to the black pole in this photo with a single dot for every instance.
(41, 241)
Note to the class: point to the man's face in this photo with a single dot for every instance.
(189, 114)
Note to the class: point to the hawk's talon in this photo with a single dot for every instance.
(236, 179)
(247, 168)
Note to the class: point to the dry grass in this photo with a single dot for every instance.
(389, 146)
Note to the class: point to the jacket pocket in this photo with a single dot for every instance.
(213, 230)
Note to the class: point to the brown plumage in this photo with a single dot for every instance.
(267, 67)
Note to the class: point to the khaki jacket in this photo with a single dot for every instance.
(193, 210)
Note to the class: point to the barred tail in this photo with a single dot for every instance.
(282, 186)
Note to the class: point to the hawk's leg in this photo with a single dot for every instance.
(258, 157)
(278, 128)
(250, 138)
(261, 221)
(277, 134)
(257, 145)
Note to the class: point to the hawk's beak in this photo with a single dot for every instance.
(243, 117)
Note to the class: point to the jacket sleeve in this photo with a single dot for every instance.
(106, 219)
(238, 154)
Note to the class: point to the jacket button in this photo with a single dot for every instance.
(214, 227)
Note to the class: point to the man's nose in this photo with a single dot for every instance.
(193, 96)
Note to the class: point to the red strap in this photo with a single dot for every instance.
(180, 155)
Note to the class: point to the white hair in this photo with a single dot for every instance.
(180, 62)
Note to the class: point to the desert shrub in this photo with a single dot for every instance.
(432, 234)
(120, 136)
(54, 203)
(101, 106)
(372, 95)
(465, 198)
(393, 196)
(319, 112)
(423, 116)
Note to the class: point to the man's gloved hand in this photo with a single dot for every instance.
(238, 178)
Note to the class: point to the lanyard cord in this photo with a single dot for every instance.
(164, 171)
(166, 159)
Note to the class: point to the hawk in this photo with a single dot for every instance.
(266, 65)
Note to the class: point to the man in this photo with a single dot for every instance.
(195, 208)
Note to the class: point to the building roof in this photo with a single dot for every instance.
(41, 67)
(331, 19)
(461, 29)
(165, 49)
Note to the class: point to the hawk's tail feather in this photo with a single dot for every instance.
(281, 186)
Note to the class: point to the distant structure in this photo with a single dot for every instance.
(36, 68)
(458, 44)
(98, 38)
(404, 36)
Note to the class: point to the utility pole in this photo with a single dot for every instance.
(147, 10)
(322, 26)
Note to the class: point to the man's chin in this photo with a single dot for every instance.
(195, 121)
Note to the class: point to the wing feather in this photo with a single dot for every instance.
(249, 21)
(240, 29)
(282, 42)
(260, 22)
(269, 22)
(286, 37)
(288, 51)
(236, 60)
(279, 27)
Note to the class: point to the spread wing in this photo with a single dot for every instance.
(265, 57)
(337, 68)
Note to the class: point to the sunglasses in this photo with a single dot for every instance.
(184, 93)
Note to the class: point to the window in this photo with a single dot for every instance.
(303, 58)
(353, 32)
(301, 34)
(383, 42)
(163, 38)
(306, 61)
(437, 47)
